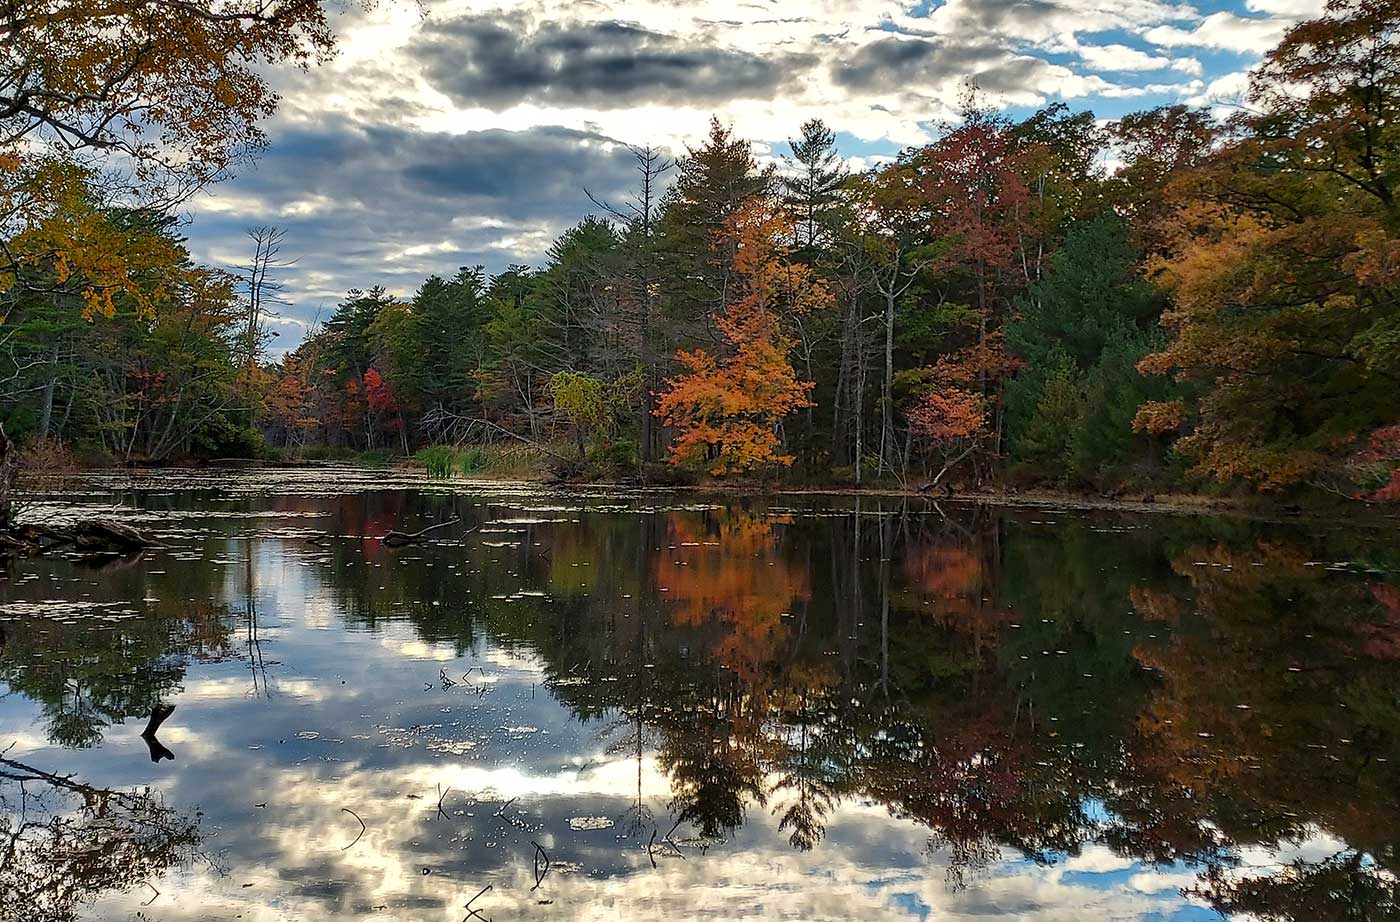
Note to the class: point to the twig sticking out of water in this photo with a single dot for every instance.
(539, 873)
(159, 714)
(472, 913)
(441, 795)
(362, 827)
(672, 842)
(666, 841)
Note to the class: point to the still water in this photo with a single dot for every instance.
(635, 705)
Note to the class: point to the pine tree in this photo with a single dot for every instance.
(813, 194)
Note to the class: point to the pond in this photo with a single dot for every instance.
(582, 704)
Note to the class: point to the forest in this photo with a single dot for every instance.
(1169, 301)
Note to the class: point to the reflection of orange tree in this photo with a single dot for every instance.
(960, 754)
(1279, 707)
(725, 577)
(1383, 635)
(774, 712)
(725, 569)
(953, 582)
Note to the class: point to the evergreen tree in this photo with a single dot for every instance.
(696, 255)
(813, 193)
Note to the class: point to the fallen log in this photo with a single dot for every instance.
(90, 536)
(11, 545)
(35, 534)
(404, 538)
(100, 534)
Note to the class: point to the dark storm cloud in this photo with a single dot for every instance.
(498, 61)
(895, 64)
(390, 206)
(523, 174)
(1014, 16)
(890, 63)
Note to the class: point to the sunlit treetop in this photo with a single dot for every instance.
(113, 105)
(172, 85)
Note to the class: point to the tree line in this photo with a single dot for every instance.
(1164, 300)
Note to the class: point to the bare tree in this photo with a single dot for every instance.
(638, 218)
(262, 290)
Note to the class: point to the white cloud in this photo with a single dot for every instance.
(1293, 9)
(1227, 90)
(1223, 30)
(886, 72)
(1121, 58)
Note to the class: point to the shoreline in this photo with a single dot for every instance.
(1257, 508)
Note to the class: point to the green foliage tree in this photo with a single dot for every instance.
(696, 254)
(1080, 331)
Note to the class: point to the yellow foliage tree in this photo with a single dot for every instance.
(1281, 257)
(167, 92)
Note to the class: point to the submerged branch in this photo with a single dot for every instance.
(401, 538)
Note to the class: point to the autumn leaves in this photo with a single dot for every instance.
(727, 410)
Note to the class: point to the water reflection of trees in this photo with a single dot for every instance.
(1008, 685)
(1179, 693)
(89, 674)
(63, 844)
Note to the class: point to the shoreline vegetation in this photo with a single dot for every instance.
(525, 469)
(1217, 315)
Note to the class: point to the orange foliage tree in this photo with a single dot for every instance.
(1283, 260)
(728, 409)
(287, 406)
(952, 416)
(1383, 449)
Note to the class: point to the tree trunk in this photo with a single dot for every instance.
(809, 446)
(860, 407)
(46, 407)
(648, 380)
(887, 387)
(838, 444)
(9, 474)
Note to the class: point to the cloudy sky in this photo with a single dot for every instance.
(464, 132)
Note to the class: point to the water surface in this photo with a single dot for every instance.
(587, 705)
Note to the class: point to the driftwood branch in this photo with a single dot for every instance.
(403, 538)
